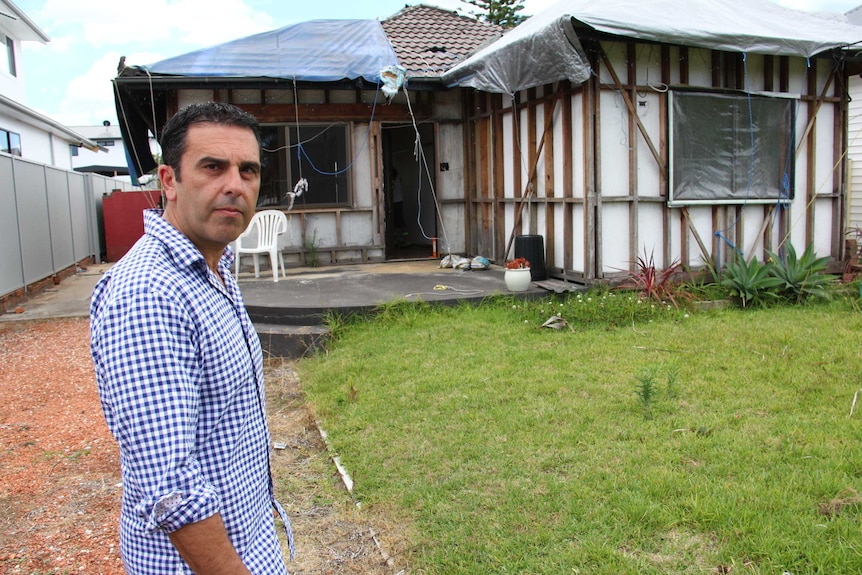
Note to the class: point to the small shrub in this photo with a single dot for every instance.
(652, 283)
(801, 278)
(312, 259)
(647, 390)
(750, 283)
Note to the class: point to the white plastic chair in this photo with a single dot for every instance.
(269, 224)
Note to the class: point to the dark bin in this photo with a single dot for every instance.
(532, 248)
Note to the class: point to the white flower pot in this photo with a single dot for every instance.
(518, 279)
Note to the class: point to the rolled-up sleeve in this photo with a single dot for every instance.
(149, 377)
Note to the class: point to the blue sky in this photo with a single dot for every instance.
(69, 79)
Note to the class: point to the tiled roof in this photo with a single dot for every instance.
(430, 40)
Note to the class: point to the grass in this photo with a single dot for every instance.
(515, 449)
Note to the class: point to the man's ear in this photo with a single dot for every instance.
(168, 178)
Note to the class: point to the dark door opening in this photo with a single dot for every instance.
(410, 210)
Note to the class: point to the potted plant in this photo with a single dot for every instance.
(517, 274)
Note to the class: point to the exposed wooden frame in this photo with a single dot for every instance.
(529, 190)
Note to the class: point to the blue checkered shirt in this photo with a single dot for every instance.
(180, 376)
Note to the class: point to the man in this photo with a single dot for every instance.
(179, 366)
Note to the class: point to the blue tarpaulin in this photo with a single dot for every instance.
(313, 51)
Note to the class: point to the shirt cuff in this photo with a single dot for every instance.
(176, 510)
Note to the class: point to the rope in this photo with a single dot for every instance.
(422, 161)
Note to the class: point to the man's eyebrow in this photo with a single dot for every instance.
(211, 160)
(222, 161)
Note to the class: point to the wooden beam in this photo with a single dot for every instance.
(568, 181)
(813, 116)
(529, 189)
(703, 250)
(767, 220)
(630, 105)
(333, 112)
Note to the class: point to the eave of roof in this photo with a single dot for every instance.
(33, 118)
(21, 26)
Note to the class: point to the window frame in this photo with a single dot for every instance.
(748, 115)
(10, 66)
(284, 158)
(6, 138)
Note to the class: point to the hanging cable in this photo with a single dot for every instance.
(422, 161)
(751, 162)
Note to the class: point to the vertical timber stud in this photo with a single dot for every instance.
(632, 81)
(498, 191)
(598, 265)
(784, 87)
(377, 179)
(685, 256)
(839, 144)
(768, 85)
(811, 156)
(589, 168)
(715, 247)
(663, 150)
(532, 180)
(482, 149)
(471, 212)
(516, 166)
(568, 176)
(550, 104)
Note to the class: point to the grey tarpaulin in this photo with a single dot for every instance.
(545, 48)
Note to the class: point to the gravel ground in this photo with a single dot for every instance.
(60, 481)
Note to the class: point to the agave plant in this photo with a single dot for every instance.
(750, 282)
(801, 277)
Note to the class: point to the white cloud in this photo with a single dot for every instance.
(118, 23)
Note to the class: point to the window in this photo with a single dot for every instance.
(105, 143)
(74, 149)
(317, 153)
(10, 142)
(7, 63)
(730, 148)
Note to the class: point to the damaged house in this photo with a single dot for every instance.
(315, 87)
(685, 131)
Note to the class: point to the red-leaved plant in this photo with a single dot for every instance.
(517, 264)
(652, 283)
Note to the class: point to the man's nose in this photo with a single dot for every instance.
(234, 182)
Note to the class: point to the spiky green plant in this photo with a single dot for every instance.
(646, 390)
(802, 277)
(750, 283)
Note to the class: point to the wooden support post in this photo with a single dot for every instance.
(529, 188)
(630, 105)
(703, 250)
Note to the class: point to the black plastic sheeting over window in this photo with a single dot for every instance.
(731, 148)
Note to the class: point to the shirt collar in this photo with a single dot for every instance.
(183, 251)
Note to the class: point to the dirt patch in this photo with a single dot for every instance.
(60, 480)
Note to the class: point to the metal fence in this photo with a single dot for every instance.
(49, 220)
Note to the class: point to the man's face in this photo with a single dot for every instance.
(216, 198)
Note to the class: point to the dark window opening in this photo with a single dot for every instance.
(731, 148)
(10, 142)
(317, 153)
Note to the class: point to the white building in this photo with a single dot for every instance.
(110, 160)
(854, 142)
(25, 132)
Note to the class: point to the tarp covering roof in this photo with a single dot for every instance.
(313, 51)
(545, 48)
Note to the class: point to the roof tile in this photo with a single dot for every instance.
(430, 40)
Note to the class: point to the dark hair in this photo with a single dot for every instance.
(173, 138)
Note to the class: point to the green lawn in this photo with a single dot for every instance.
(641, 442)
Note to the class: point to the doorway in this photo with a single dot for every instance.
(410, 218)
